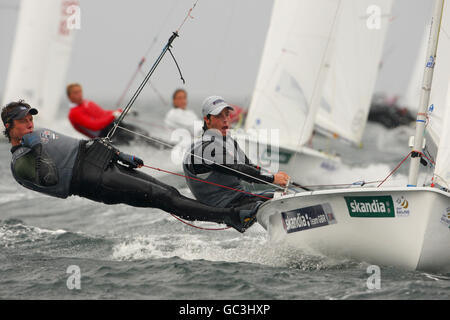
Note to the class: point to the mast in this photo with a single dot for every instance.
(425, 92)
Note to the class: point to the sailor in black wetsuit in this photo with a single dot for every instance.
(218, 159)
(60, 166)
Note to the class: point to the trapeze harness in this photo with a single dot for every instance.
(61, 166)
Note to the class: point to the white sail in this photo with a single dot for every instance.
(412, 95)
(439, 110)
(292, 69)
(40, 55)
(442, 170)
(354, 65)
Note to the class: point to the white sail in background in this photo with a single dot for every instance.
(354, 65)
(439, 110)
(442, 170)
(40, 55)
(292, 69)
(412, 96)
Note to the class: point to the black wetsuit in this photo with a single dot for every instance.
(94, 173)
(99, 177)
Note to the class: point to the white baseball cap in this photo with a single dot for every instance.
(214, 105)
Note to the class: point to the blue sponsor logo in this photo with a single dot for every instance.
(430, 63)
(308, 218)
(328, 165)
(46, 136)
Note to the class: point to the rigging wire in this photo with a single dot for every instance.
(141, 86)
(188, 15)
(201, 158)
(149, 74)
(143, 59)
(158, 93)
(170, 146)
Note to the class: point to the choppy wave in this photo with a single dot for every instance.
(251, 247)
(13, 232)
(19, 238)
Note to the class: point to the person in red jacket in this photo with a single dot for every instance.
(93, 121)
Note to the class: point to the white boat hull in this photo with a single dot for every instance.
(414, 234)
(316, 165)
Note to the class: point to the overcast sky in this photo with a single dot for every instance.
(218, 51)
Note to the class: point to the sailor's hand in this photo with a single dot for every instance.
(117, 114)
(30, 140)
(132, 161)
(281, 178)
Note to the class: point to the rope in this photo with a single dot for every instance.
(396, 168)
(151, 123)
(150, 73)
(199, 157)
(216, 184)
(209, 182)
(158, 93)
(142, 85)
(440, 178)
(178, 67)
(130, 82)
(188, 15)
(429, 159)
(142, 61)
(362, 183)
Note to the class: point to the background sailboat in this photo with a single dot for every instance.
(310, 78)
(290, 80)
(354, 65)
(41, 55)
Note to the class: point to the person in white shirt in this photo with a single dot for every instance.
(179, 116)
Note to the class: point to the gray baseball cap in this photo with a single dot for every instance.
(18, 112)
(214, 105)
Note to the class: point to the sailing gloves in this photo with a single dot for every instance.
(132, 161)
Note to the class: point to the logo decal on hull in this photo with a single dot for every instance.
(402, 208)
(445, 219)
(370, 207)
(308, 218)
